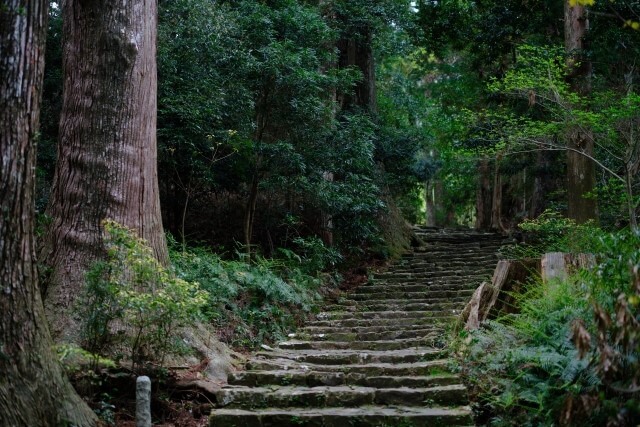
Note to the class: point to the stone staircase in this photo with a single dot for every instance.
(376, 357)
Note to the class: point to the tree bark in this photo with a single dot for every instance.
(107, 150)
(581, 174)
(541, 184)
(359, 52)
(33, 389)
(430, 203)
(496, 205)
(483, 196)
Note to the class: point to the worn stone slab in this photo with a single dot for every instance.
(341, 417)
(337, 396)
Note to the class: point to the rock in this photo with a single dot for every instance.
(143, 402)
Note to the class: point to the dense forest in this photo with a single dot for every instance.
(181, 178)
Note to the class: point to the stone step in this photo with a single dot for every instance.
(316, 379)
(431, 284)
(399, 293)
(337, 396)
(398, 344)
(384, 314)
(348, 356)
(367, 336)
(346, 304)
(434, 289)
(430, 269)
(445, 264)
(314, 330)
(397, 305)
(430, 367)
(392, 322)
(423, 278)
(341, 417)
(425, 296)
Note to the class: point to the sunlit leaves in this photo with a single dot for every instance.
(574, 3)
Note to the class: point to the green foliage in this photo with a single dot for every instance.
(551, 232)
(250, 304)
(523, 365)
(132, 301)
(570, 356)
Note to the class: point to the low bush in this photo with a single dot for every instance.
(134, 303)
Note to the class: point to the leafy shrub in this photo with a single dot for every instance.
(551, 232)
(132, 292)
(314, 258)
(249, 304)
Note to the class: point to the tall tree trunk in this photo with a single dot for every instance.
(483, 196)
(541, 184)
(107, 150)
(33, 388)
(250, 213)
(496, 206)
(430, 205)
(581, 174)
(359, 52)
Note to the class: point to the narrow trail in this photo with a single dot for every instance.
(375, 358)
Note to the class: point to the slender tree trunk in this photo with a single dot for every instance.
(541, 184)
(430, 205)
(483, 196)
(581, 174)
(33, 388)
(326, 220)
(250, 213)
(631, 205)
(496, 206)
(107, 150)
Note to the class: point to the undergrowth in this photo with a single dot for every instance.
(570, 356)
(250, 303)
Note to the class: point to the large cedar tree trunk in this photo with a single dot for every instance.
(107, 149)
(358, 52)
(33, 389)
(581, 174)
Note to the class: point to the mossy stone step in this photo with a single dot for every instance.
(341, 396)
(410, 294)
(391, 322)
(315, 379)
(425, 296)
(341, 417)
(397, 305)
(365, 336)
(434, 290)
(398, 344)
(387, 327)
(382, 314)
(371, 369)
(425, 278)
(346, 357)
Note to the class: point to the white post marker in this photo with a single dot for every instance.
(143, 402)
